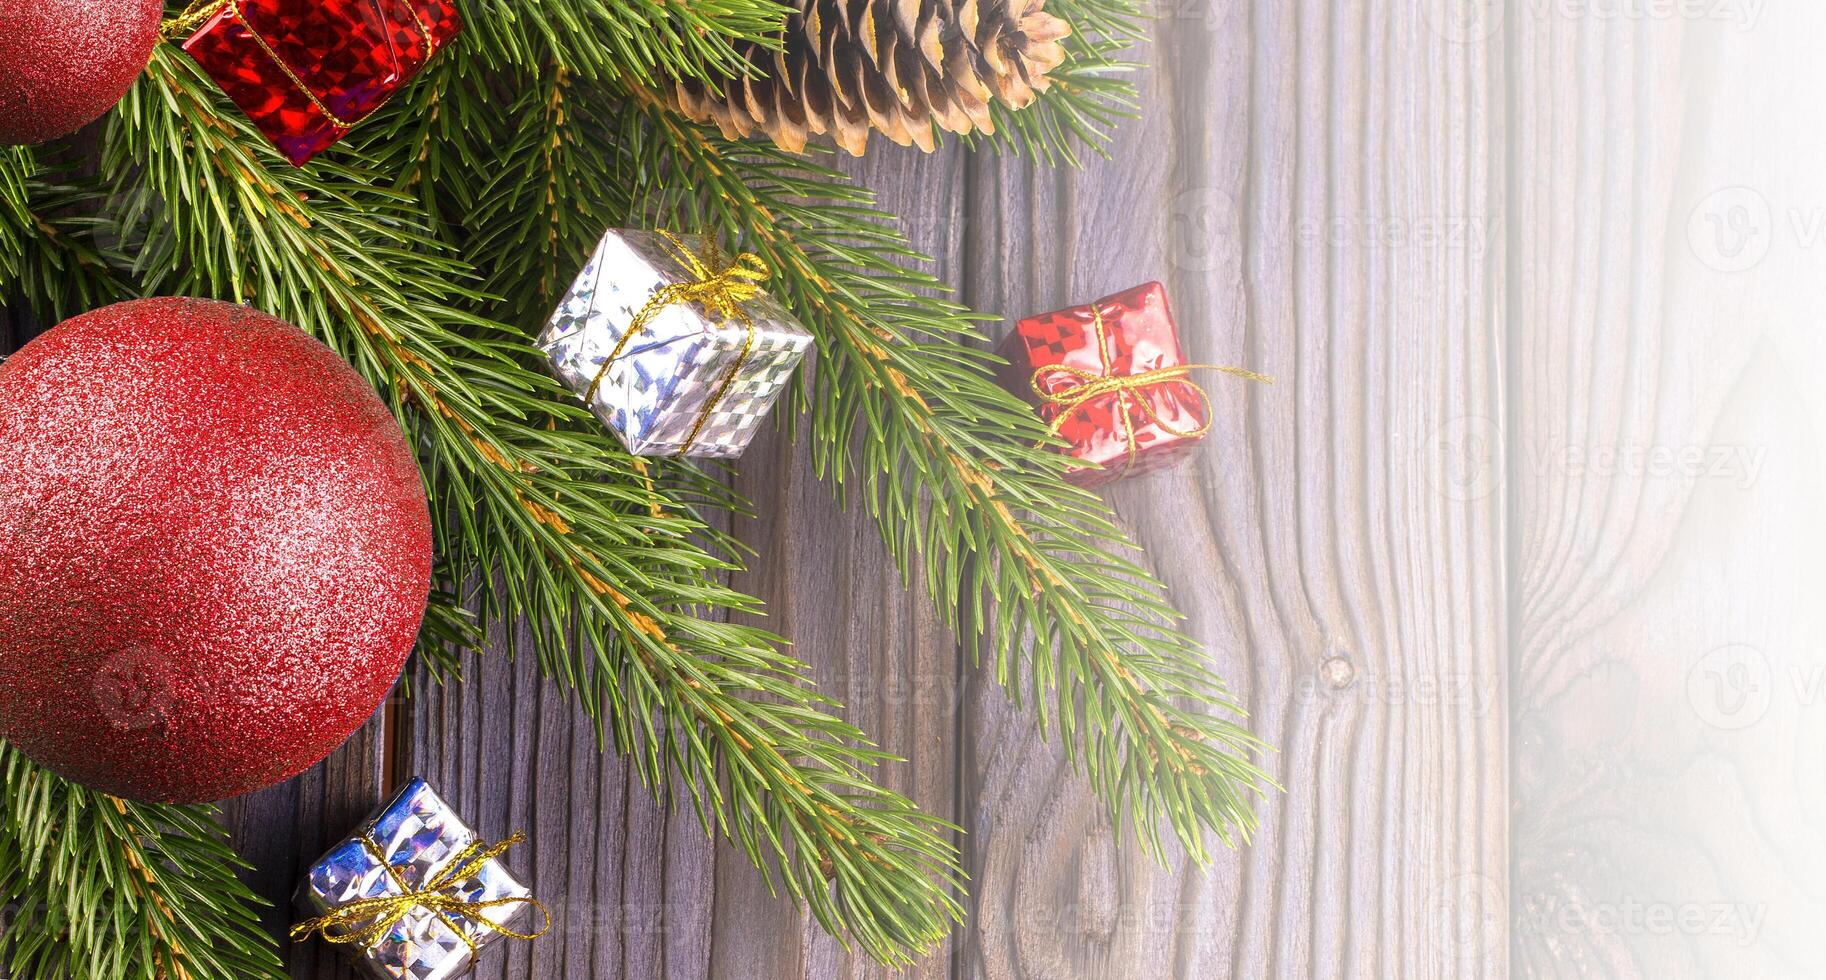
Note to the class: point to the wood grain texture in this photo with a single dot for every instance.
(638, 893)
(628, 884)
(831, 589)
(280, 831)
(1667, 485)
(1317, 183)
(1322, 185)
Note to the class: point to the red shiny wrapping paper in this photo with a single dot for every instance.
(1137, 336)
(351, 55)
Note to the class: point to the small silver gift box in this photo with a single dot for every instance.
(688, 382)
(404, 846)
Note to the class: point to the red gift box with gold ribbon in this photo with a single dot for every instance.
(1110, 380)
(308, 71)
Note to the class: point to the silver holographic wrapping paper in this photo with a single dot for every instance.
(655, 392)
(421, 837)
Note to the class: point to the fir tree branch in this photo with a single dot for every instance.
(448, 630)
(1088, 95)
(643, 38)
(54, 250)
(16, 168)
(538, 507)
(540, 514)
(103, 889)
(954, 470)
(545, 200)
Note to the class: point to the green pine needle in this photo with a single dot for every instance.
(648, 39)
(102, 889)
(539, 513)
(427, 249)
(956, 474)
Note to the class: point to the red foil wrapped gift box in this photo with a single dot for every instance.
(1110, 379)
(308, 71)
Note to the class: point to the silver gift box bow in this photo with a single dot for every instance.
(421, 837)
(655, 392)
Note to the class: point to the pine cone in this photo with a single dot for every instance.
(898, 66)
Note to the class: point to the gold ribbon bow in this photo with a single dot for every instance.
(200, 12)
(436, 896)
(720, 287)
(191, 19)
(1087, 386)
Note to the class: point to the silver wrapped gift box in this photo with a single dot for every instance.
(409, 844)
(688, 382)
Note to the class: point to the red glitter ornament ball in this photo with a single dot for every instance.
(214, 550)
(65, 62)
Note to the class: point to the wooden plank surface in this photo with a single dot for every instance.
(1667, 482)
(282, 830)
(638, 893)
(628, 885)
(1320, 184)
(831, 589)
(1317, 184)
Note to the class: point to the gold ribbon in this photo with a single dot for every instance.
(720, 287)
(191, 19)
(1087, 386)
(200, 12)
(436, 896)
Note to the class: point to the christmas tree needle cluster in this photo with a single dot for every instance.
(426, 249)
(99, 887)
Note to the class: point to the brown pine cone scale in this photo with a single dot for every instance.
(899, 67)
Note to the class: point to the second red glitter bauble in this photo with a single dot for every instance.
(63, 63)
(215, 550)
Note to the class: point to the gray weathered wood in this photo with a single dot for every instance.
(831, 589)
(638, 893)
(1322, 186)
(628, 884)
(280, 831)
(1294, 181)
